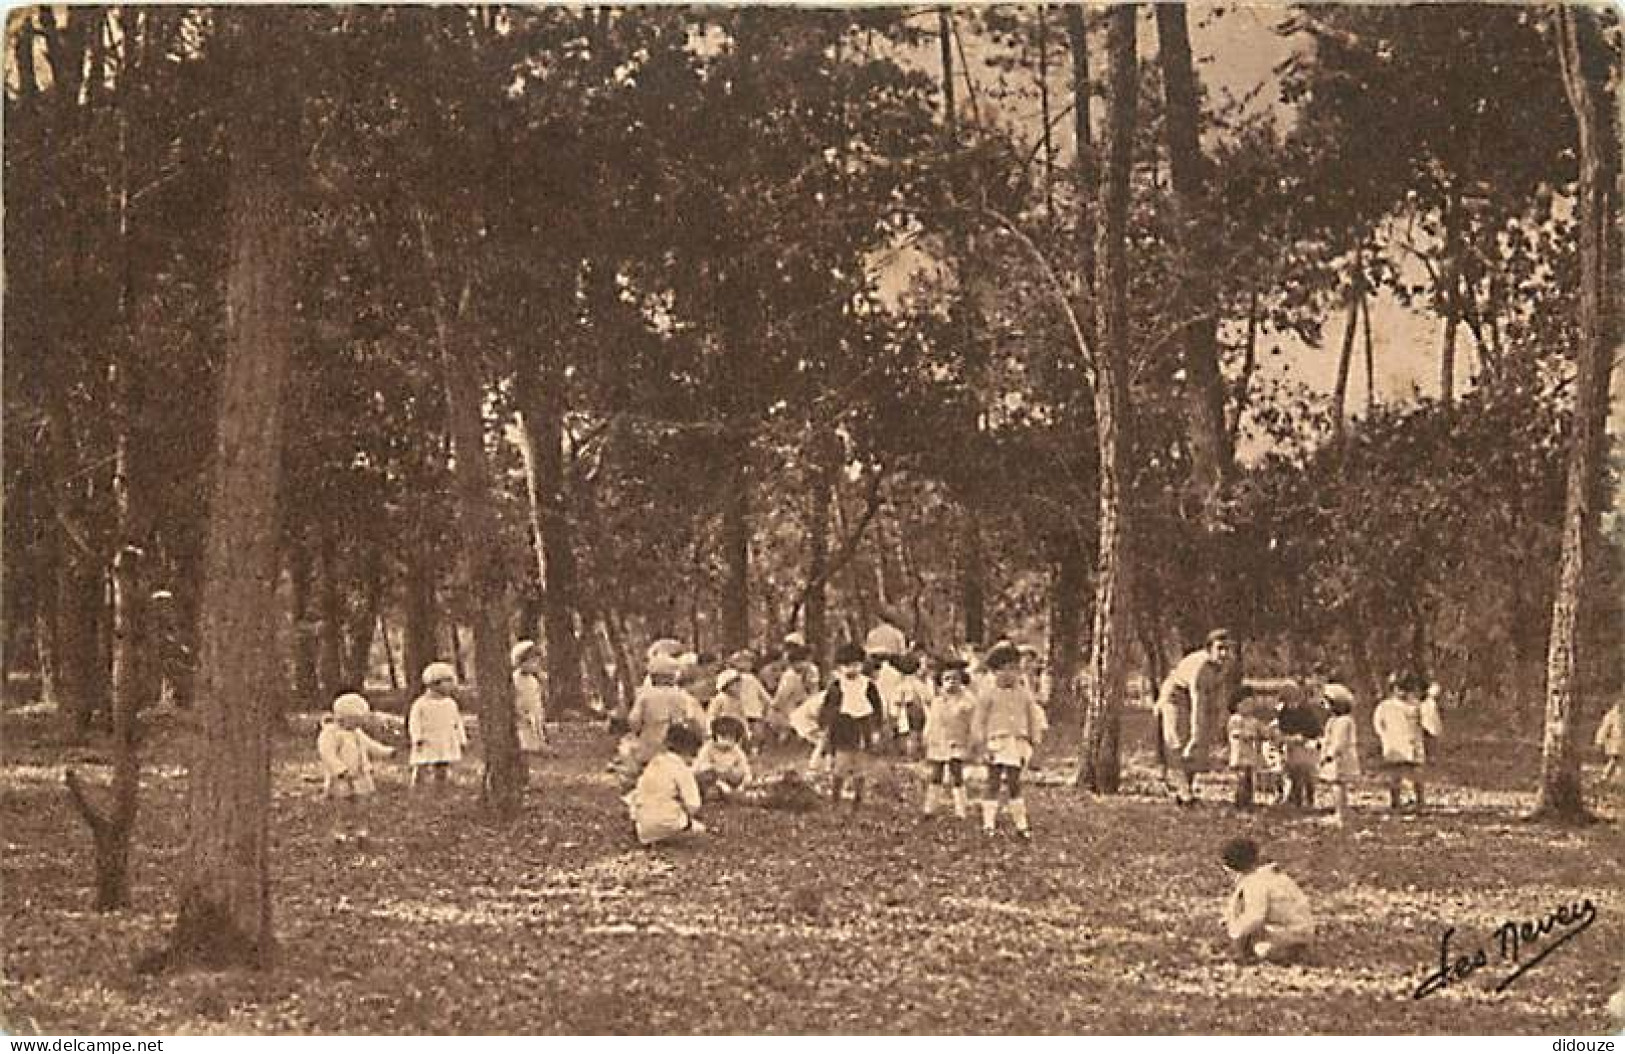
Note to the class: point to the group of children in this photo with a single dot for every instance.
(880, 703)
(1292, 745)
(679, 755)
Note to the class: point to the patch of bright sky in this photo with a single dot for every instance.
(1237, 49)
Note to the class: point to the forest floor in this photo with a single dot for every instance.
(816, 922)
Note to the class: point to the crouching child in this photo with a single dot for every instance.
(1267, 917)
(722, 767)
(666, 799)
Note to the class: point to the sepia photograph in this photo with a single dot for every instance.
(786, 520)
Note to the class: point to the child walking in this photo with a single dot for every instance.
(948, 736)
(1267, 917)
(435, 725)
(1399, 727)
(1246, 737)
(347, 753)
(666, 800)
(851, 717)
(1340, 750)
(1009, 725)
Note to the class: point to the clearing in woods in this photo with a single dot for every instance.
(814, 922)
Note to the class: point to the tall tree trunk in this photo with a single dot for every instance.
(825, 471)
(225, 898)
(477, 533)
(418, 641)
(1249, 365)
(389, 651)
(362, 625)
(1370, 357)
(1077, 32)
(736, 559)
(1204, 385)
(331, 599)
(1071, 578)
(1099, 766)
(1450, 281)
(307, 687)
(130, 679)
(972, 577)
(1345, 357)
(1043, 109)
(1579, 42)
(540, 387)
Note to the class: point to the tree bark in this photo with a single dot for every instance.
(1345, 357)
(225, 898)
(1204, 386)
(540, 388)
(1370, 357)
(504, 782)
(1070, 579)
(307, 685)
(1099, 766)
(1077, 32)
(825, 471)
(331, 600)
(972, 577)
(1450, 280)
(1561, 797)
(418, 640)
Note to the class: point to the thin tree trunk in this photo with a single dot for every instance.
(736, 560)
(540, 387)
(825, 471)
(1561, 797)
(389, 651)
(111, 828)
(1204, 386)
(1346, 356)
(1099, 766)
(418, 643)
(301, 579)
(363, 623)
(972, 577)
(1450, 280)
(1077, 32)
(1044, 108)
(330, 647)
(225, 898)
(487, 578)
(1066, 621)
(1249, 364)
(625, 675)
(1370, 358)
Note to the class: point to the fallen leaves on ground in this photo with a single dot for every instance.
(811, 922)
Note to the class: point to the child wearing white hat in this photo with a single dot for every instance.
(435, 724)
(346, 753)
(729, 702)
(526, 659)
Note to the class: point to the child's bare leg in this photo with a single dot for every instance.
(1610, 770)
